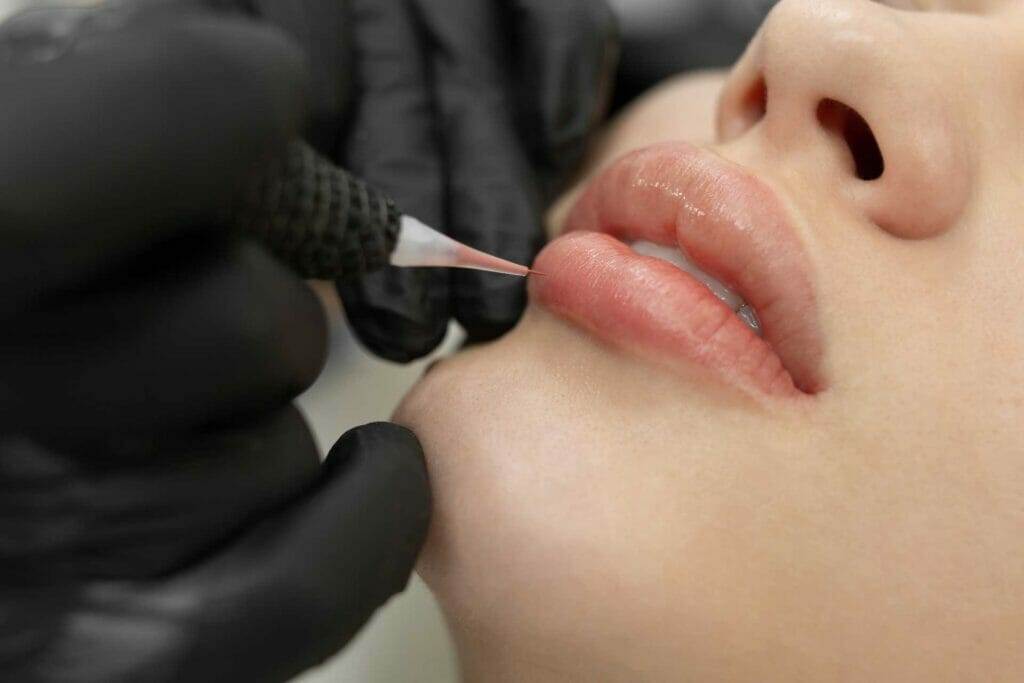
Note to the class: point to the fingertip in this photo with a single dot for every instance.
(400, 315)
(394, 337)
(488, 305)
(391, 458)
(397, 444)
(385, 464)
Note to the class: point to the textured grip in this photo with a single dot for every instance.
(321, 220)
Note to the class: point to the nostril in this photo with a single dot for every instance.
(744, 104)
(754, 103)
(854, 130)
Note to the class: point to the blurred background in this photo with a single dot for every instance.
(407, 640)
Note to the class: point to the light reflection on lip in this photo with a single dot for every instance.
(732, 226)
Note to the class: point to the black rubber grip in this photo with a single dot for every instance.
(320, 219)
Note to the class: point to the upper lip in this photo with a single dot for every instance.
(730, 224)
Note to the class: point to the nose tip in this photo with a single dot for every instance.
(842, 85)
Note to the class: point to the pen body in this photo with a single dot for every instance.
(320, 219)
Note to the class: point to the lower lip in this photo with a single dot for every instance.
(651, 308)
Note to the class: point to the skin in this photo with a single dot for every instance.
(599, 518)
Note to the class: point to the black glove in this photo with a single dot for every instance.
(470, 114)
(663, 38)
(164, 515)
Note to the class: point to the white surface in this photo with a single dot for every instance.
(8, 7)
(407, 640)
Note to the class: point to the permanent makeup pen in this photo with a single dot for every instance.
(327, 224)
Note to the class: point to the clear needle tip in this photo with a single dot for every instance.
(419, 245)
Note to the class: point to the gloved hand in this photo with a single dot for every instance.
(470, 114)
(164, 515)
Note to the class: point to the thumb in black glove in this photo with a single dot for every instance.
(102, 594)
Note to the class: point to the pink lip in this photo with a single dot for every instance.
(732, 226)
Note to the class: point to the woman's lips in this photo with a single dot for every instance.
(728, 223)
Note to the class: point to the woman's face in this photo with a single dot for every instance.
(633, 485)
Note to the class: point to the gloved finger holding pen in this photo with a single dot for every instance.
(470, 114)
(164, 515)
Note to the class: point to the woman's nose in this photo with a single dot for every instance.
(849, 84)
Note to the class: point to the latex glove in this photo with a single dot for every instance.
(470, 114)
(164, 515)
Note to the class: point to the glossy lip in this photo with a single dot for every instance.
(732, 226)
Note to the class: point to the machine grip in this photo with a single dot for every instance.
(319, 219)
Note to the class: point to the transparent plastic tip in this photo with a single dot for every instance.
(421, 246)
